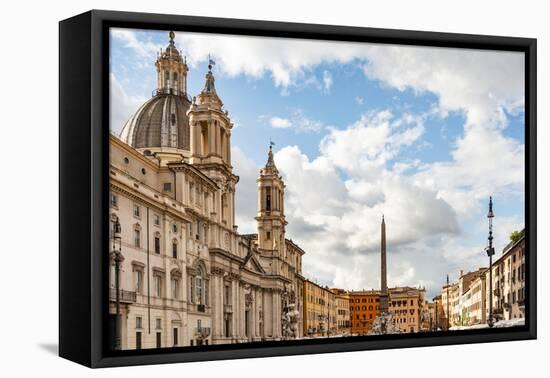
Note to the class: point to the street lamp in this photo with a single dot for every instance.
(117, 242)
(490, 252)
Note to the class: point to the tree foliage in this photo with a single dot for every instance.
(515, 236)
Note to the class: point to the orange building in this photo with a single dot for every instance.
(406, 306)
(364, 306)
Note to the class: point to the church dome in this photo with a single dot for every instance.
(160, 122)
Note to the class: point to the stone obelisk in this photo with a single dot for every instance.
(383, 271)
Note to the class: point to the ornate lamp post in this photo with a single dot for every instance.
(490, 252)
(117, 242)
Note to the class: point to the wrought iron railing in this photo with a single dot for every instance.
(202, 332)
(125, 296)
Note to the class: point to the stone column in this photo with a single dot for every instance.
(228, 148)
(194, 135)
(218, 141)
(214, 298)
(211, 137)
(235, 299)
(276, 314)
(242, 309)
(252, 316)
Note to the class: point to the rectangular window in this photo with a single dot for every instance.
(158, 285)
(175, 288)
(138, 280)
(175, 336)
(226, 297)
(137, 212)
(137, 238)
(156, 220)
(175, 250)
(138, 322)
(114, 200)
(158, 323)
(138, 340)
(268, 235)
(167, 187)
(157, 245)
(159, 337)
(197, 230)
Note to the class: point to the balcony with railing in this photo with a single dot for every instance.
(202, 332)
(125, 296)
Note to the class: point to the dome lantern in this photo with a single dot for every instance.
(171, 70)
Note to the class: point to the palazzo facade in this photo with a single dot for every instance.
(187, 276)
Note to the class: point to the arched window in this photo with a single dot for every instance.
(167, 81)
(175, 82)
(201, 282)
(199, 285)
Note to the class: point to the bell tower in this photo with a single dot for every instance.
(270, 219)
(171, 70)
(210, 127)
(211, 146)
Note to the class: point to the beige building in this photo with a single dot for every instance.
(474, 300)
(509, 282)
(319, 311)
(342, 303)
(469, 304)
(406, 307)
(187, 276)
(449, 304)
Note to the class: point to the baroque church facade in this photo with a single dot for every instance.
(187, 276)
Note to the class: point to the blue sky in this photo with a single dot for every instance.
(423, 135)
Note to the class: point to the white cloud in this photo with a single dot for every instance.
(339, 221)
(280, 123)
(364, 148)
(480, 83)
(327, 81)
(359, 100)
(143, 48)
(122, 105)
(298, 121)
(246, 194)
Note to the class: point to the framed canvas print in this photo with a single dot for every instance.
(233, 188)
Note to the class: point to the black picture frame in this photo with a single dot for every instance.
(83, 182)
